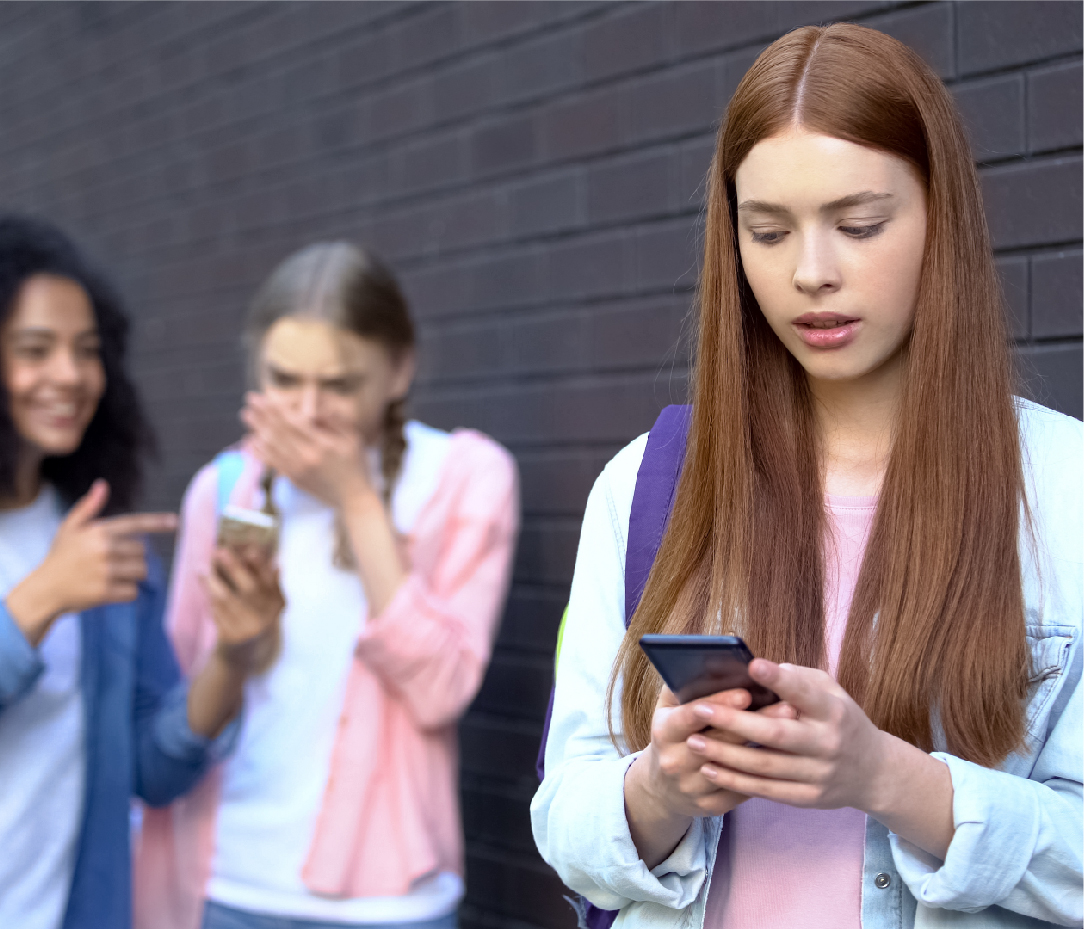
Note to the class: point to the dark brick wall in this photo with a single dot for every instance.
(534, 172)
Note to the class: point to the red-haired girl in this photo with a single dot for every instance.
(865, 502)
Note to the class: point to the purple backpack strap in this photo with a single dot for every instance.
(656, 483)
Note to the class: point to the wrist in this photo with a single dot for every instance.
(887, 767)
(361, 500)
(33, 606)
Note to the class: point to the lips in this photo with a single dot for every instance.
(826, 330)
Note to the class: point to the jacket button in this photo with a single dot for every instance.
(883, 880)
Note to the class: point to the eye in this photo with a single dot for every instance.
(32, 352)
(770, 237)
(90, 351)
(281, 379)
(863, 232)
(344, 387)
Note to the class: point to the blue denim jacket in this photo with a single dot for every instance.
(1016, 856)
(138, 742)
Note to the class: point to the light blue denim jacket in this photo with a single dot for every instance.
(1015, 857)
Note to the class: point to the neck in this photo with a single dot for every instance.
(27, 480)
(855, 421)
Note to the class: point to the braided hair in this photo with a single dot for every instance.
(351, 289)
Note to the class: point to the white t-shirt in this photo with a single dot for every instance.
(42, 745)
(274, 782)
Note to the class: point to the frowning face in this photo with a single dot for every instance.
(831, 236)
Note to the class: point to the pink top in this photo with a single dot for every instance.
(782, 866)
(390, 811)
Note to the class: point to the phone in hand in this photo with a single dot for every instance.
(240, 528)
(696, 666)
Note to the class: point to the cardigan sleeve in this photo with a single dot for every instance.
(169, 757)
(431, 644)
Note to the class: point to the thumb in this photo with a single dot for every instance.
(89, 505)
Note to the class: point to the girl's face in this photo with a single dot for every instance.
(333, 377)
(831, 236)
(52, 367)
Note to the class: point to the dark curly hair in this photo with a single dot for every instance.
(119, 435)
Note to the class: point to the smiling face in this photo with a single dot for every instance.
(332, 376)
(52, 368)
(831, 236)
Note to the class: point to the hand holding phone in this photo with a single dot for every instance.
(240, 528)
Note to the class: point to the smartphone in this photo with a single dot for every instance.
(696, 666)
(239, 527)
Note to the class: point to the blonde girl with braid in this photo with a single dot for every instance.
(339, 806)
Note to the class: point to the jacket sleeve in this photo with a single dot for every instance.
(431, 644)
(578, 813)
(169, 757)
(1018, 840)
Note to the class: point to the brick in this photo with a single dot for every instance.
(531, 620)
(702, 25)
(678, 102)
(546, 204)
(1035, 203)
(516, 687)
(528, 890)
(468, 87)
(1014, 284)
(636, 37)
(665, 256)
(497, 819)
(1056, 295)
(928, 29)
(640, 334)
(463, 352)
(423, 38)
(583, 125)
(499, 749)
(996, 35)
(993, 113)
(594, 267)
(401, 108)
(632, 188)
(508, 143)
(1054, 376)
(541, 66)
(557, 482)
(1054, 107)
(507, 280)
(547, 553)
(552, 343)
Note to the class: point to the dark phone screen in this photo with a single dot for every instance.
(696, 666)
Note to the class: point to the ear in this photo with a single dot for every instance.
(403, 374)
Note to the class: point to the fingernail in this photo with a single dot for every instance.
(697, 743)
(702, 710)
(709, 771)
(739, 700)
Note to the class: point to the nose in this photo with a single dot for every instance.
(310, 402)
(64, 368)
(817, 271)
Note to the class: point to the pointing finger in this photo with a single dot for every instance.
(136, 524)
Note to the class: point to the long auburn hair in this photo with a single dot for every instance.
(936, 626)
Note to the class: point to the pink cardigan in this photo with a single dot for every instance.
(390, 812)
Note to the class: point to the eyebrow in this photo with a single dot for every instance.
(851, 200)
(323, 379)
(44, 331)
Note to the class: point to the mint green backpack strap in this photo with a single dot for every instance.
(228, 465)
